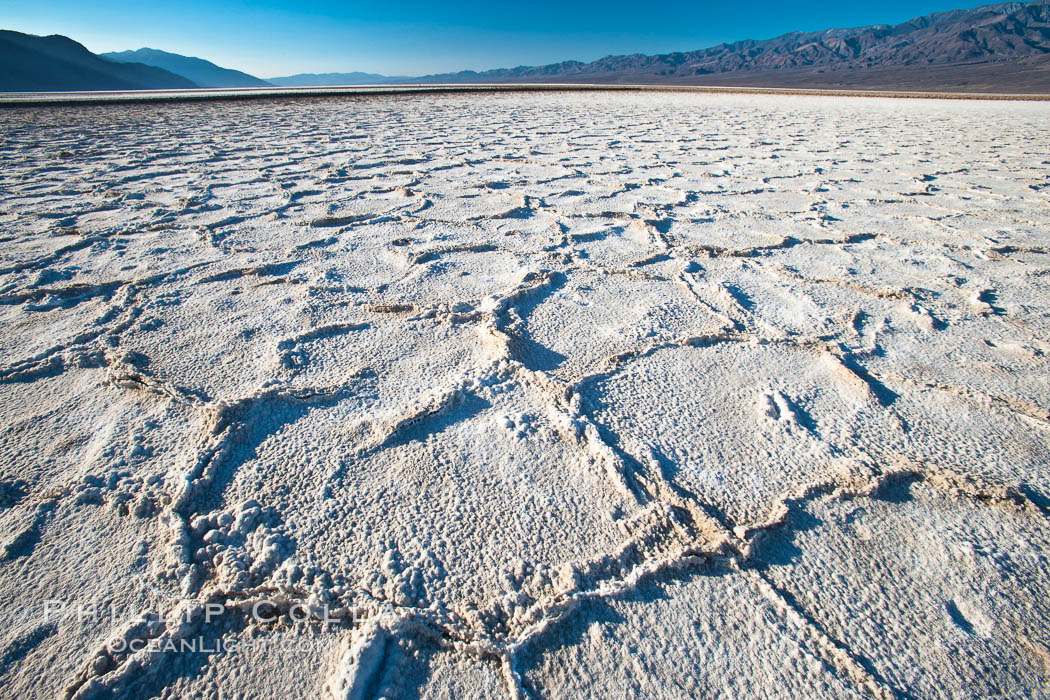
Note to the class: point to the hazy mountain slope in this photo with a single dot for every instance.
(204, 73)
(47, 63)
(319, 79)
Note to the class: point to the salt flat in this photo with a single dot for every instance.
(543, 395)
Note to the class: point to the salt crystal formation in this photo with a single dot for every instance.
(528, 395)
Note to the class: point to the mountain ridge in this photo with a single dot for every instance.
(30, 63)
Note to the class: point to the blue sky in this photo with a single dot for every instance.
(412, 37)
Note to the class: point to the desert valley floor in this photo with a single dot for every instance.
(525, 395)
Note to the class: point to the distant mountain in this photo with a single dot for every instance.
(995, 48)
(320, 79)
(204, 73)
(31, 63)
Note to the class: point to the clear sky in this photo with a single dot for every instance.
(269, 38)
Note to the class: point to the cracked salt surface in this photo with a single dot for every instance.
(542, 395)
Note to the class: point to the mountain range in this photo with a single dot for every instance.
(993, 48)
(990, 48)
